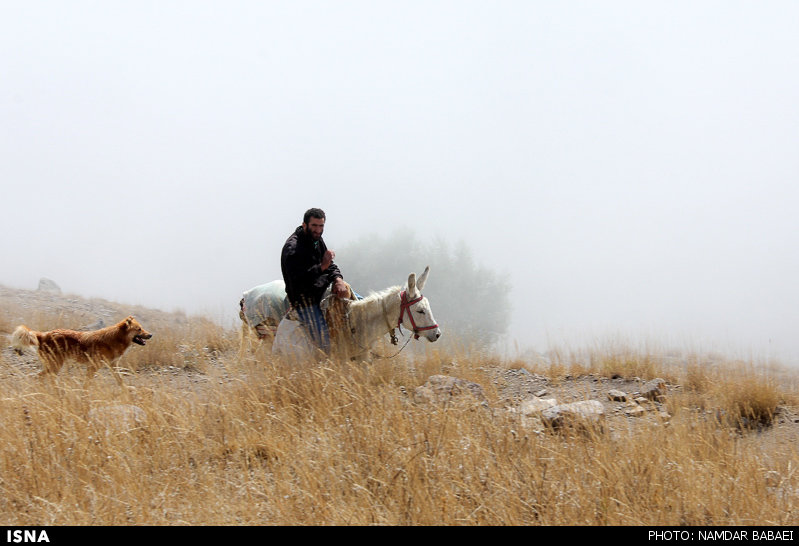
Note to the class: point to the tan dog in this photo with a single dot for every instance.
(95, 348)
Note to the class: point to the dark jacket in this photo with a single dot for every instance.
(301, 263)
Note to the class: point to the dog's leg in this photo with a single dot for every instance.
(91, 369)
(45, 373)
(51, 363)
(115, 369)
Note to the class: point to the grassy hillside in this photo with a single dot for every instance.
(206, 434)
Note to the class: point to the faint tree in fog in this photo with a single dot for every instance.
(470, 302)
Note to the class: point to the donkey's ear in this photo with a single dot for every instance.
(411, 283)
(423, 278)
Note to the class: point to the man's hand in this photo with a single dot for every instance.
(327, 259)
(340, 288)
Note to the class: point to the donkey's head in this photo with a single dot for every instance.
(416, 314)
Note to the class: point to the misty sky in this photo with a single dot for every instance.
(630, 166)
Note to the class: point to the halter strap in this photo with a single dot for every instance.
(405, 305)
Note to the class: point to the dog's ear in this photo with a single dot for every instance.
(129, 321)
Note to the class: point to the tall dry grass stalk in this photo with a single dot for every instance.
(227, 440)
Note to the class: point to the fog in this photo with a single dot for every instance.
(631, 167)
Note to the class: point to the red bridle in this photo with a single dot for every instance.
(406, 305)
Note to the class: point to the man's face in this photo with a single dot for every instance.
(314, 227)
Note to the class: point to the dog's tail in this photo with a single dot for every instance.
(22, 338)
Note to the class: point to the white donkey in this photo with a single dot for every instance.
(355, 325)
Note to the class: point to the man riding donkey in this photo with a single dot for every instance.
(308, 270)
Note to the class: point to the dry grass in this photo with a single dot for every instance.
(744, 395)
(248, 441)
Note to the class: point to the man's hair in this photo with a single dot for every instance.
(315, 213)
